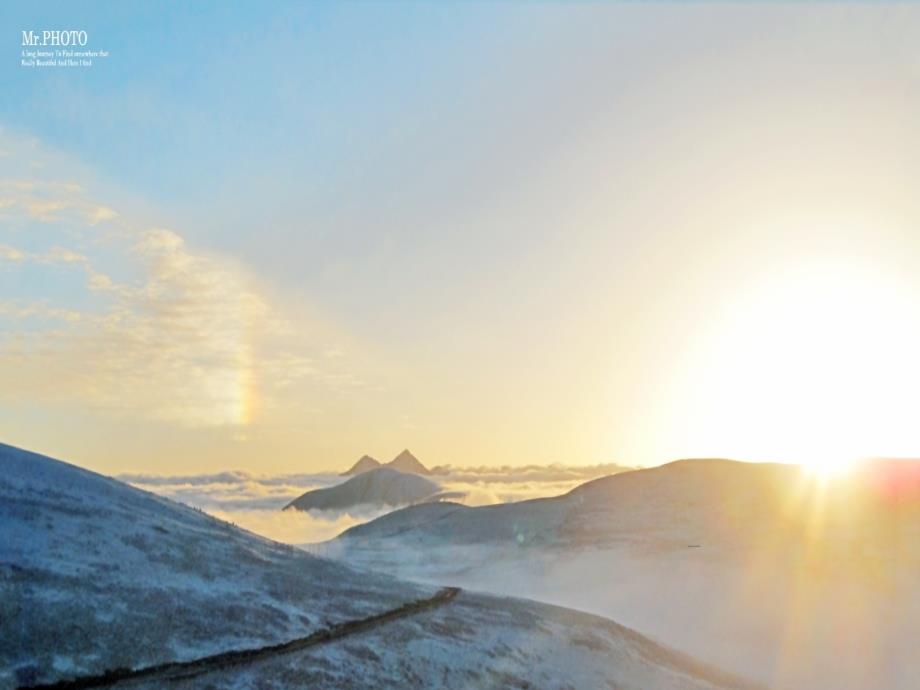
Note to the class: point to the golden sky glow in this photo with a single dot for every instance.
(624, 254)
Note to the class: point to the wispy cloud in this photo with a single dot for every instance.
(132, 319)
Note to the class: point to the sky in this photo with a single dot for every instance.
(275, 238)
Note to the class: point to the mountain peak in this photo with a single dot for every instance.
(365, 464)
(406, 462)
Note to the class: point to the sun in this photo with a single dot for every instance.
(816, 366)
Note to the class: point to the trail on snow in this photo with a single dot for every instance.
(178, 670)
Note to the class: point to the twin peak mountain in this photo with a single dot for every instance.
(404, 462)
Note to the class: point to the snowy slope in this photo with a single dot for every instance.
(381, 486)
(96, 575)
(739, 564)
(480, 642)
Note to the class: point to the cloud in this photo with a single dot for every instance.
(8, 253)
(255, 501)
(293, 526)
(152, 328)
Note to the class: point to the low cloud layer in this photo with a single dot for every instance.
(255, 501)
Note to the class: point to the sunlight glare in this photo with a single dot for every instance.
(816, 367)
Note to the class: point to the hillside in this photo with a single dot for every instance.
(97, 575)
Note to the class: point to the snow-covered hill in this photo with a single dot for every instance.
(382, 486)
(741, 564)
(97, 575)
(482, 641)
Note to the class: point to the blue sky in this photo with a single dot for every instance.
(330, 111)
(445, 217)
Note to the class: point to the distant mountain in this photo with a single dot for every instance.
(380, 486)
(406, 462)
(365, 464)
(96, 575)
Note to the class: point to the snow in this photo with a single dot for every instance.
(381, 486)
(95, 575)
(99, 574)
(480, 641)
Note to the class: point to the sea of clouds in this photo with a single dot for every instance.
(255, 502)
